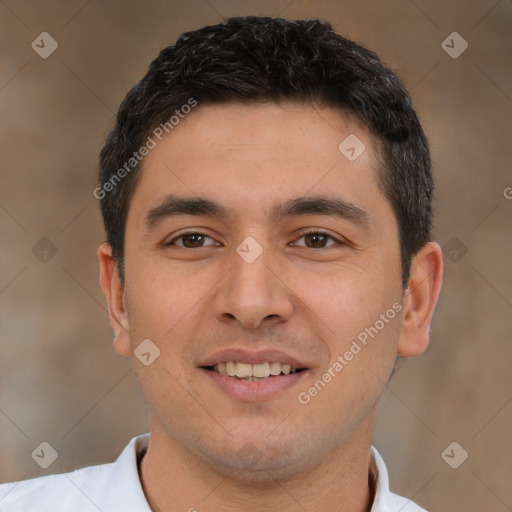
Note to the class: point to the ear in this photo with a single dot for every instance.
(421, 297)
(114, 293)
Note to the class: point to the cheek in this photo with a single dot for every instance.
(170, 305)
(161, 294)
(362, 356)
(347, 302)
(162, 308)
(360, 325)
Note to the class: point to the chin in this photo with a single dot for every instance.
(249, 461)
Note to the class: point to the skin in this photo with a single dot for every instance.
(304, 297)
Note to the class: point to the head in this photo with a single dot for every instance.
(244, 122)
(251, 59)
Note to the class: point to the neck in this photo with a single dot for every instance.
(174, 479)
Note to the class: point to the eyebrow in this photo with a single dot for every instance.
(320, 205)
(173, 206)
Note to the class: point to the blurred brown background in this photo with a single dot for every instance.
(60, 380)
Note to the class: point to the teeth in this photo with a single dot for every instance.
(231, 368)
(243, 370)
(253, 371)
(261, 370)
(275, 368)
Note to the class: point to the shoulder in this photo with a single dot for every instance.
(107, 487)
(399, 503)
(66, 491)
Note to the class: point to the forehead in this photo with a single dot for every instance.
(266, 129)
(251, 155)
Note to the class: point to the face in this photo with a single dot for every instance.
(292, 257)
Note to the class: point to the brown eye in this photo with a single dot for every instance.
(316, 239)
(190, 240)
(193, 240)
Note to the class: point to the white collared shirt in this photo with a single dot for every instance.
(116, 487)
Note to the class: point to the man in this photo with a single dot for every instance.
(266, 193)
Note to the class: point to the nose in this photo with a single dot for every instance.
(253, 293)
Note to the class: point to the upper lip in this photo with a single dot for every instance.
(252, 357)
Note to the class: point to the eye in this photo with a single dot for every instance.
(190, 240)
(317, 239)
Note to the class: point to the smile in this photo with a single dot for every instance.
(248, 387)
(252, 372)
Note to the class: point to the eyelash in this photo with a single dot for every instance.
(171, 242)
(304, 233)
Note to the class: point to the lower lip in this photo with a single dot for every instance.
(256, 389)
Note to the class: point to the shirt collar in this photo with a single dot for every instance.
(125, 476)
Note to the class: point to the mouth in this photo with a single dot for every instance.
(253, 372)
(250, 376)
(253, 382)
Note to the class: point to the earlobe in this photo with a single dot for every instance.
(420, 300)
(114, 293)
